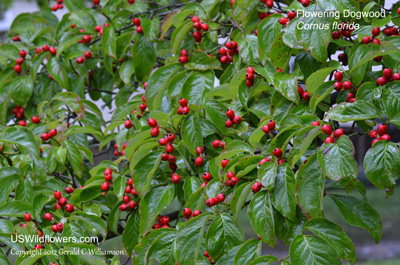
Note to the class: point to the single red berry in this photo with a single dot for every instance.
(54, 228)
(27, 217)
(228, 183)
(195, 19)
(211, 202)
(231, 45)
(366, 40)
(203, 184)
(381, 81)
(249, 83)
(142, 107)
(385, 137)
(80, 60)
(22, 123)
(206, 254)
(183, 59)
(315, 123)
(216, 143)
(57, 206)
(19, 61)
(224, 59)
(136, 21)
(198, 161)
(396, 76)
(373, 134)
(165, 220)
(207, 177)
(277, 152)
(376, 41)
(220, 197)
(163, 141)
(300, 90)
(347, 85)
(169, 148)
(230, 113)
(132, 204)
(69, 190)
(184, 52)
(17, 69)
(196, 213)
(387, 73)
(62, 201)
(237, 119)
(338, 76)
(157, 226)
(376, 31)
(53, 51)
(338, 86)
(199, 150)
(283, 21)
(327, 129)
(398, 10)
(96, 2)
(97, 28)
(88, 54)
(69, 208)
(48, 216)
(52, 133)
(152, 122)
(305, 3)
(336, 35)
(234, 181)
(187, 212)
(60, 227)
(86, 38)
(171, 159)
(36, 247)
(329, 139)
(105, 186)
(35, 120)
(22, 53)
(339, 132)
(155, 131)
(224, 162)
(291, 14)
(228, 123)
(265, 129)
(382, 129)
(251, 70)
(57, 195)
(123, 207)
(175, 179)
(256, 187)
(306, 96)
(170, 137)
(271, 125)
(134, 192)
(262, 161)
(230, 174)
(128, 124)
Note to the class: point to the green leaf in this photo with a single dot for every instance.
(31, 258)
(317, 78)
(15, 209)
(391, 102)
(92, 222)
(359, 213)
(310, 188)
(263, 260)
(130, 236)
(9, 179)
(197, 85)
(223, 234)
(179, 34)
(119, 186)
(190, 185)
(314, 41)
(333, 234)
(268, 29)
(286, 84)
(356, 111)
(283, 198)
(312, 250)
(74, 157)
(261, 217)
(191, 133)
(358, 52)
(267, 174)
(249, 49)
(73, 5)
(84, 19)
(126, 71)
(24, 191)
(87, 193)
(161, 248)
(337, 161)
(248, 251)
(189, 239)
(199, 60)
(144, 170)
(382, 164)
(239, 198)
(280, 53)
(143, 49)
(58, 72)
(152, 203)
(21, 89)
(216, 113)
(22, 137)
(109, 41)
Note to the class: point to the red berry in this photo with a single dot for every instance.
(17, 68)
(22, 123)
(128, 124)
(62, 201)
(123, 207)
(373, 134)
(27, 217)
(60, 227)
(336, 35)
(224, 59)
(234, 181)
(195, 19)
(80, 60)
(54, 228)
(329, 139)
(237, 119)
(216, 143)
(385, 137)
(53, 133)
(97, 28)
(249, 76)
(57, 195)
(88, 54)
(171, 159)
(136, 21)
(48, 216)
(315, 123)
(69, 190)
(265, 129)
(96, 2)
(211, 202)
(196, 213)
(224, 162)
(277, 152)
(338, 76)
(382, 129)
(220, 197)
(170, 137)
(169, 148)
(230, 113)
(199, 161)
(157, 226)
(283, 21)
(152, 122)
(381, 81)
(19, 61)
(183, 59)
(387, 73)
(376, 41)
(69, 208)
(347, 85)
(132, 204)
(271, 125)
(231, 45)
(230, 174)
(300, 90)
(22, 53)
(376, 31)
(338, 86)
(163, 141)
(203, 184)
(337, 133)
(306, 96)
(165, 220)
(206, 254)
(155, 131)
(175, 179)
(223, 51)
(35, 120)
(256, 187)
(126, 199)
(86, 38)
(105, 186)
(374, 141)
(207, 177)
(396, 76)
(228, 123)
(291, 14)
(249, 83)
(305, 3)
(366, 40)
(199, 150)
(251, 70)
(187, 212)
(327, 129)
(142, 107)
(184, 52)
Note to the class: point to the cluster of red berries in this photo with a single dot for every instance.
(391, 31)
(137, 23)
(81, 59)
(379, 134)
(117, 152)
(346, 85)
(47, 136)
(99, 28)
(169, 149)
(269, 127)
(57, 6)
(18, 111)
(62, 202)
(20, 61)
(207, 178)
(86, 38)
(58, 228)
(387, 77)
(184, 56)
(187, 213)
(218, 144)
(232, 118)
(268, 3)
(108, 178)
(206, 253)
(375, 32)
(304, 94)
(262, 15)
(228, 51)
(256, 187)
(198, 27)
(327, 129)
(46, 48)
(199, 160)
(213, 201)
(183, 109)
(162, 222)
(129, 204)
(346, 31)
(250, 76)
(232, 179)
(154, 125)
(305, 3)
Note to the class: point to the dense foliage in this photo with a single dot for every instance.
(218, 108)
